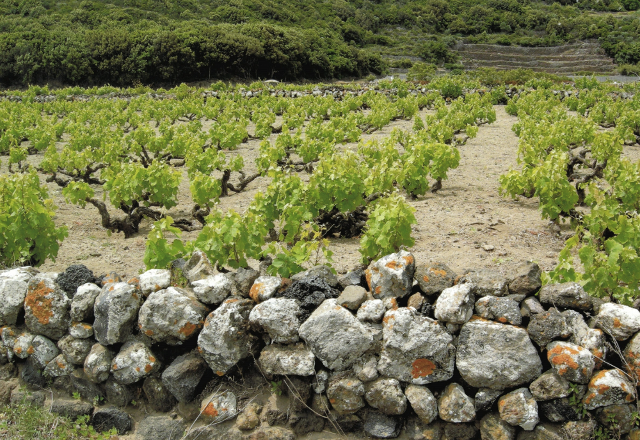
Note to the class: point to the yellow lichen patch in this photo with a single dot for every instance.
(210, 410)
(231, 301)
(332, 401)
(392, 265)
(17, 350)
(256, 290)
(152, 359)
(617, 323)
(30, 350)
(138, 369)
(38, 301)
(422, 368)
(220, 373)
(408, 259)
(394, 304)
(148, 368)
(502, 319)
(378, 290)
(149, 332)
(367, 275)
(188, 329)
(425, 279)
(438, 272)
(563, 359)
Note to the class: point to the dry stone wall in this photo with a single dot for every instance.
(401, 348)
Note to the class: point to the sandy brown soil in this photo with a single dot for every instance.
(467, 224)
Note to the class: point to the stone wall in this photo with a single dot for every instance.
(403, 348)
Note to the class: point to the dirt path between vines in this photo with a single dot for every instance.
(466, 225)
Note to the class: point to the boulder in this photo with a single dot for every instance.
(519, 408)
(279, 317)
(550, 385)
(134, 362)
(531, 306)
(158, 396)
(560, 410)
(80, 330)
(593, 339)
(486, 282)
(366, 368)
(496, 356)
(198, 267)
(310, 292)
(97, 364)
(116, 310)
(73, 277)
(618, 320)
(71, 408)
(117, 393)
(352, 278)
(83, 302)
(526, 279)
(264, 288)
(571, 361)
(214, 289)
(220, 343)
(296, 360)
(335, 336)
(58, 366)
(171, 316)
(320, 271)
(46, 308)
(433, 278)
(371, 311)
(44, 351)
(455, 304)
(492, 427)
(415, 349)
(154, 280)
(219, 406)
(485, 397)
(618, 418)
(504, 310)
(160, 428)
(243, 279)
(548, 326)
(455, 406)
(566, 295)
(379, 425)
(183, 376)
(423, 402)
(75, 350)
(386, 395)
(352, 297)
(13, 290)
(22, 347)
(609, 387)
(345, 394)
(391, 276)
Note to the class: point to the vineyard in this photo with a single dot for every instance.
(288, 174)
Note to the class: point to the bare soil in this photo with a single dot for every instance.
(466, 225)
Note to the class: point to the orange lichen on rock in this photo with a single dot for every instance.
(149, 332)
(210, 410)
(438, 272)
(392, 265)
(256, 290)
(17, 350)
(152, 359)
(38, 301)
(378, 290)
(367, 275)
(30, 350)
(425, 279)
(421, 368)
(502, 319)
(564, 360)
(617, 323)
(219, 373)
(408, 259)
(188, 329)
(394, 304)
(148, 368)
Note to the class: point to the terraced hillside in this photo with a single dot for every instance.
(567, 59)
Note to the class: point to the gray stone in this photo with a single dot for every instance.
(275, 410)
(366, 368)
(117, 393)
(198, 267)
(279, 317)
(105, 419)
(581, 430)
(183, 376)
(619, 321)
(455, 406)
(632, 355)
(264, 288)
(75, 350)
(171, 316)
(548, 326)
(459, 431)
(566, 295)
(97, 364)
(299, 391)
(71, 408)
(320, 381)
(434, 278)
(213, 289)
(135, 361)
(352, 297)
(391, 276)
(158, 396)
(416, 301)
(380, 425)
(519, 408)
(423, 402)
(455, 304)
(559, 410)
(154, 280)
(160, 428)
(504, 310)
(220, 343)
(593, 339)
(352, 278)
(116, 310)
(44, 351)
(371, 311)
(345, 394)
(73, 277)
(531, 306)
(4, 353)
(543, 431)
(496, 356)
(13, 290)
(335, 336)
(321, 271)
(386, 395)
(609, 387)
(249, 418)
(243, 280)
(80, 330)
(486, 282)
(219, 406)
(82, 304)
(485, 397)
(295, 360)
(492, 427)
(46, 308)
(618, 418)
(415, 349)
(58, 366)
(23, 397)
(304, 422)
(81, 384)
(30, 374)
(8, 371)
(526, 279)
(549, 386)
(22, 347)
(572, 362)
